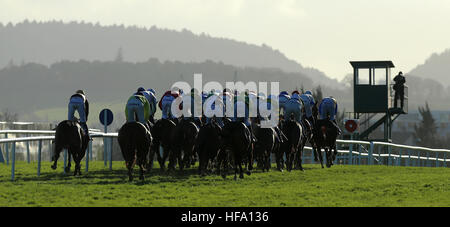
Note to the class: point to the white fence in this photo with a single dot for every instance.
(11, 142)
(358, 152)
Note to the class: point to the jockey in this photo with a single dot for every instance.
(242, 104)
(253, 104)
(261, 100)
(279, 134)
(213, 101)
(227, 98)
(137, 106)
(283, 98)
(308, 101)
(165, 104)
(153, 101)
(241, 108)
(328, 110)
(79, 102)
(151, 98)
(294, 107)
(195, 106)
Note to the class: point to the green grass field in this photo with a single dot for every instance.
(338, 186)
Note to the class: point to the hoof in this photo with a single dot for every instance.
(53, 167)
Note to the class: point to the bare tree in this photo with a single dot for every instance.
(8, 116)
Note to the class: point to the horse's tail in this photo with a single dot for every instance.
(128, 135)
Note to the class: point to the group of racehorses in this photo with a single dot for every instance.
(183, 141)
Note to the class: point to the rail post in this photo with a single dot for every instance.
(110, 141)
(39, 158)
(445, 160)
(87, 157)
(418, 159)
(2, 160)
(371, 153)
(50, 149)
(13, 164)
(389, 156)
(359, 154)
(437, 160)
(7, 150)
(409, 158)
(350, 154)
(28, 150)
(380, 161)
(90, 150)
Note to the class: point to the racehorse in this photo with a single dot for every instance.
(135, 141)
(235, 147)
(208, 146)
(71, 136)
(162, 135)
(264, 145)
(325, 136)
(307, 133)
(184, 137)
(293, 132)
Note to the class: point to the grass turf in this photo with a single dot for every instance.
(341, 185)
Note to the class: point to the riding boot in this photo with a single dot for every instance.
(86, 130)
(282, 136)
(253, 137)
(279, 135)
(338, 130)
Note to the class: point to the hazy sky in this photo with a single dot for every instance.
(325, 34)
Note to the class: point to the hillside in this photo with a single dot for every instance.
(50, 42)
(436, 67)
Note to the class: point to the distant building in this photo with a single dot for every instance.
(403, 127)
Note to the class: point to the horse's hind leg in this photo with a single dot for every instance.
(141, 161)
(222, 164)
(67, 169)
(279, 160)
(267, 164)
(328, 157)
(314, 151)
(56, 157)
(165, 154)
(335, 153)
(129, 165)
(172, 159)
(80, 157)
(235, 171)
(300, 152)
(151, 156)
(318, 150)
(241, 172)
